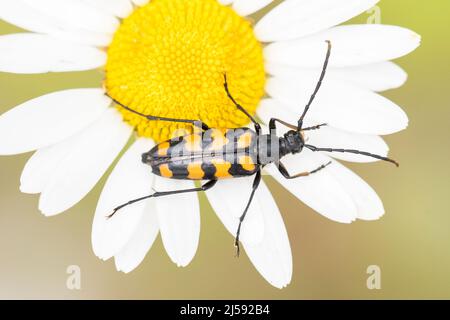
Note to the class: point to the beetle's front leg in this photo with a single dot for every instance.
(273, 124)
(315, 127)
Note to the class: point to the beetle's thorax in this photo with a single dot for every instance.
(291, 142)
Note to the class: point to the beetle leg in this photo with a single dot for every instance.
(196, 123)
(273, 121)
(241, 108)
(208, 185)
(315, 127)
(287, 175)
(256, 183)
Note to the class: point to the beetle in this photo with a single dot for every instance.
(211, 154)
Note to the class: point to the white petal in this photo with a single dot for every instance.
(140, 2)
(120, 8)
(92, 153)
(272, 257)
(130, 179)
(248, 7)
(295, 19)
(376, 77)
(41, 166)
(341, 105)
(229, 212)
(83, 37)
(368, 204)
(38, 53)
(329, 137)
(225, 2)
(179, 220)
(19, 13)
(353, 45)
(50, 119)
(320, 191)
(75, 14)
(140, 243)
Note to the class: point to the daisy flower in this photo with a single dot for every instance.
(167, 58)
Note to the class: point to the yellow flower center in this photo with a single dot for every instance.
(168, 59)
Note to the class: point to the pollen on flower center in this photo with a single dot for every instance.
(168, 59)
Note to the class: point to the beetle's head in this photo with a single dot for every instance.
(146, 157)
(294, 141)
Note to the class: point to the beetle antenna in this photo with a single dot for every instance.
(364, 153)
(126, 107)
(319, 84)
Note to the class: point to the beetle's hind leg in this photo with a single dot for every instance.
(206, 186)
(196, 123)
(256, 183)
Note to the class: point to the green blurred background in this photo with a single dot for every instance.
(411, 243)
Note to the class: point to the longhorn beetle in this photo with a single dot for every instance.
(213, 156)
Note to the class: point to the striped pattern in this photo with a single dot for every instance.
(215, 154)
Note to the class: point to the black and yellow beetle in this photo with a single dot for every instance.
(212, 154)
